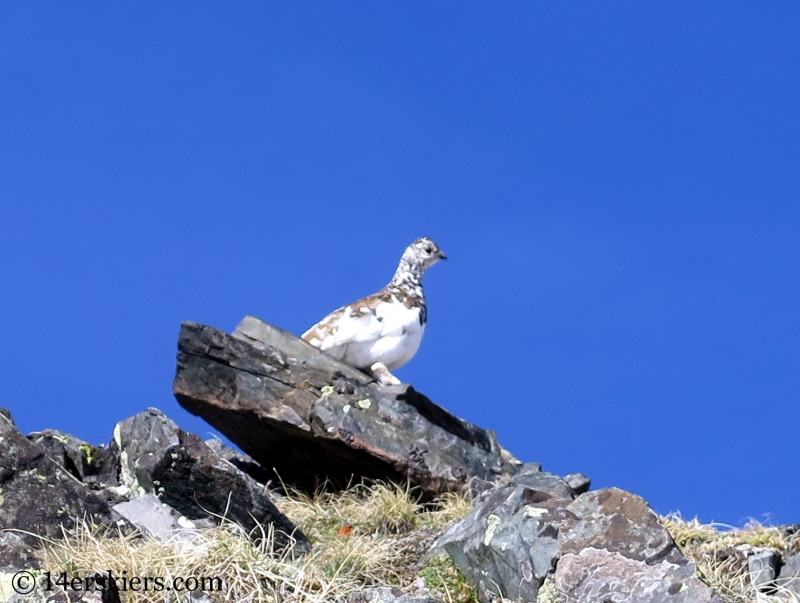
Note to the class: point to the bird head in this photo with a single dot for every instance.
(423, 253)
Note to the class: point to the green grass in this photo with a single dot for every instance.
(441, 576)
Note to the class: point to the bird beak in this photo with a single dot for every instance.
(442, 256)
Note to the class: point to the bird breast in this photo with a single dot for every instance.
(389, 333)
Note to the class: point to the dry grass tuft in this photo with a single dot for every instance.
(381, 509)
(247, 572)
(692, 535)
(720, 552)
(364, 536)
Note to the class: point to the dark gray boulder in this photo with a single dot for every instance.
(37, 495)
(16, 554)
(617, 521)
(763, 569)
(158, 457)
(613, 548)
(508, 544)
(313, 420)
(95, 466)
(72, 453)
(789, 576)
(546, 484)
(605, 546)
(601, 576)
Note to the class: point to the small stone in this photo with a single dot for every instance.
(149, 514)
(578, 483)
(476, 487)
(384, 594)
(763, 568)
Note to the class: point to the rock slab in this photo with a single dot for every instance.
(313, 420)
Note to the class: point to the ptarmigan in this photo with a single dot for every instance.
(382, 331)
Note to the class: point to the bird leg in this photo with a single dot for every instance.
(382, 374)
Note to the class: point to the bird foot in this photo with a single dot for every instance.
(382, 374)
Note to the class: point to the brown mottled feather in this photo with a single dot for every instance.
(327, 326)
(405, 288)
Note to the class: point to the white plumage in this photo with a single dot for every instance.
(391, 334)
(383, 331)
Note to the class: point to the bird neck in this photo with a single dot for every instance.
(408, 275)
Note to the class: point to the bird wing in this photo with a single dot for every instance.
(355, 323)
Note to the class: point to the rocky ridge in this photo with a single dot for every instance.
(305, 420)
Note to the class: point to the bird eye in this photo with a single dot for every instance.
(429, 249)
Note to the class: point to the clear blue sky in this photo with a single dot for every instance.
(615, 184)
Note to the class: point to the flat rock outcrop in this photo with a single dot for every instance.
(313, 420)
